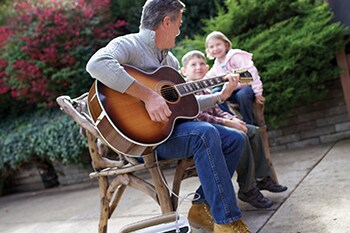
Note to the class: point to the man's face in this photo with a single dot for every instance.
(173, 31)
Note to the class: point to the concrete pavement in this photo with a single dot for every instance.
(317, 200)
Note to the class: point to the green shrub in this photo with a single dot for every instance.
(194, 16)
(294, 45)
(5, 6)
(128, 10)
(195, 12)
(47, 134)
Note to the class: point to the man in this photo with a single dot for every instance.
(214, 148)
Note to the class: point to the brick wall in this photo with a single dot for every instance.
(322, 122)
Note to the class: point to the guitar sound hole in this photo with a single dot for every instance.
(169, 93)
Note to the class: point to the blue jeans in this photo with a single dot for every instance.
(244, 97)
(216, 152)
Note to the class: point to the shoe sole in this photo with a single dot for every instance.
(198, 229)
(256, 206)
(274, 191)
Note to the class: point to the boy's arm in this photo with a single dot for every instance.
(213, 114)
(205, 116)
(217, 116)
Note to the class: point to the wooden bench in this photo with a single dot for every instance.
(114, 175)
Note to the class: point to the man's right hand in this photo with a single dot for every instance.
(157, 108)
(155, 104)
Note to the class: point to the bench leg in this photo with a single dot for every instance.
(185, 169)
(158, 179)
(260, 120)
(104, 205)
(265, 140)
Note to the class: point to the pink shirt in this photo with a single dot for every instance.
(235, 59)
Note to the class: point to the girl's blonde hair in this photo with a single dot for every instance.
(220, 36)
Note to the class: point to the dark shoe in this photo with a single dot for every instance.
(255, 198)
(200, 217)
(270, 185)
(233, 227)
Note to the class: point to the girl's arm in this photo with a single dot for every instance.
(244, 60)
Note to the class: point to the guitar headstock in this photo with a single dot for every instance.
(245, 77)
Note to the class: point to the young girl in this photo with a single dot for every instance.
(219, 47)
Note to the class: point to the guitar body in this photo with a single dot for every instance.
(123, 121)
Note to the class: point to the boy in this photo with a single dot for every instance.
(254, 173)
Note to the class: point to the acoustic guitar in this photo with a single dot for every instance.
(123, 121)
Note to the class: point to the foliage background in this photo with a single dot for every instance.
(44, 53)
(46, 47)
(44, 50)
(45, 134)
(293, 42)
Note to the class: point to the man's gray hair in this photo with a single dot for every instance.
(154, 12)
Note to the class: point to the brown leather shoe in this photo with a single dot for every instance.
(234, 227)
(200, 217)
(255, 198)
(270, 185)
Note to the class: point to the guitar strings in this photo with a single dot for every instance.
(194, 86)
(171, 89)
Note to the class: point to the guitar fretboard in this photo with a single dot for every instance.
(192, 87)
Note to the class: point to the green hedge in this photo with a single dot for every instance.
(294, 45)
(48, 134)
(193, 18)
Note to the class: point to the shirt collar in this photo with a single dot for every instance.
(149, 36)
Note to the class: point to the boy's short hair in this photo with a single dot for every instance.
(189, 55)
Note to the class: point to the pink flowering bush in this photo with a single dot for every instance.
(47, 44)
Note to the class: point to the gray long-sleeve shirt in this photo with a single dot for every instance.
(138, 50)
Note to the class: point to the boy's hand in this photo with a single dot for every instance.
(229, 86)
(236, 123)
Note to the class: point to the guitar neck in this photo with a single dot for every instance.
(245, 77)
(192, 87)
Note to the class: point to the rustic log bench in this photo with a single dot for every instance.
(114, 175)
